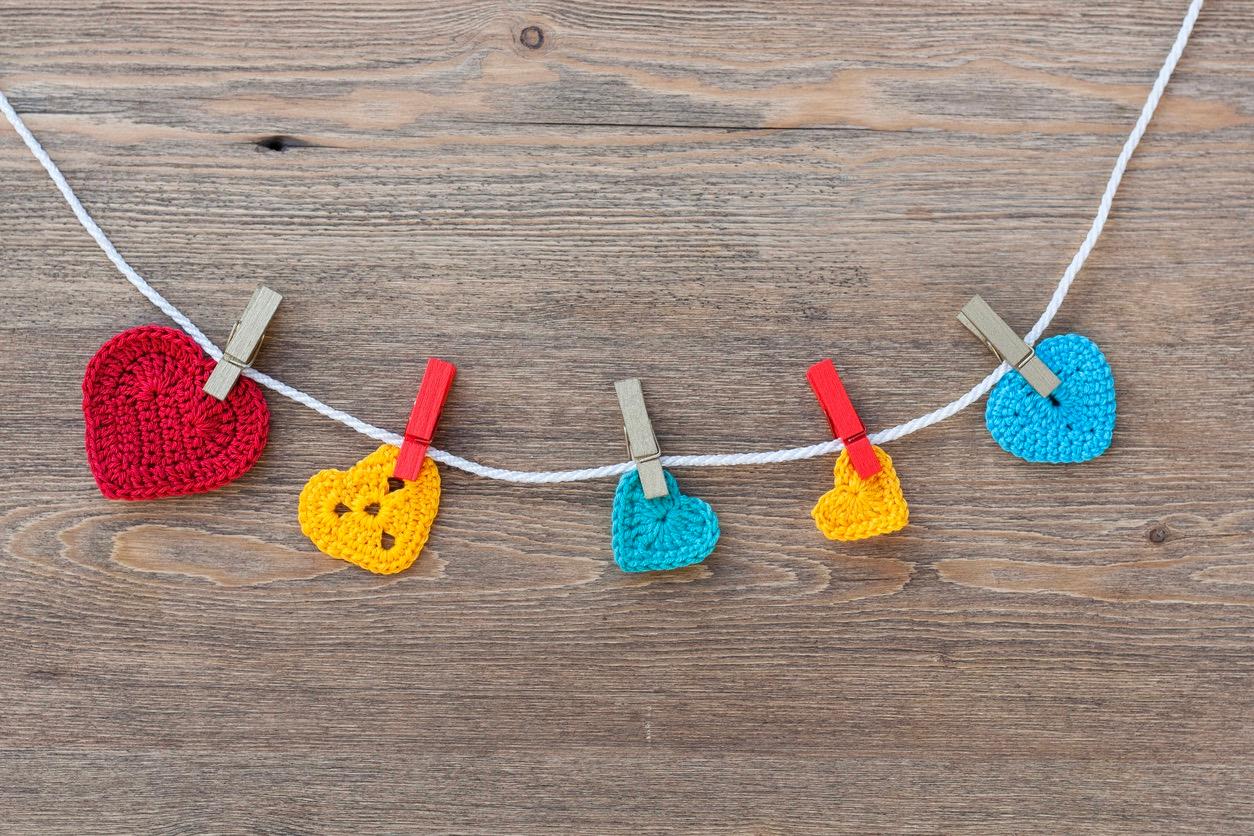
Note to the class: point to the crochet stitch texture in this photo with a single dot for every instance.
(858, 508)
(366, 517)
(1075, 423)
(669, 532)
(150, 430)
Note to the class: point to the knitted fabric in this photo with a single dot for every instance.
(858, 508)
(651, 535)
(1075, 423)
(364, 516)
(151, 431)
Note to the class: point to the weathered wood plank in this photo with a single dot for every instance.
(1041, 650)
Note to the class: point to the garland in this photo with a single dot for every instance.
(169, 413)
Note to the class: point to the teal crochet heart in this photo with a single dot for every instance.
(1075, 423)
(651, 535)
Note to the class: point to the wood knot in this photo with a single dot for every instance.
(1157, 534)
(531, 37)
(280, 143)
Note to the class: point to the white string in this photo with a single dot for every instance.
(709, 460)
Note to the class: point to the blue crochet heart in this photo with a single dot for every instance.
(1075, 423)
(651, 535)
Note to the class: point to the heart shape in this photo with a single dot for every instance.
(152, 431)
(858, 508)
(368, 518)
(1075, 423)
(651, 535)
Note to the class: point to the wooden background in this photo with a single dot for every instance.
(709, 196)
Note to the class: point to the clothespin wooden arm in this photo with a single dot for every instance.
(642, 443)
(437, 380)
(244, 343)
(846, 425)
(981, 320)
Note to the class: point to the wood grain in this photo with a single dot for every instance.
(709, 196)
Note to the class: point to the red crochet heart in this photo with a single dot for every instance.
(152, 431)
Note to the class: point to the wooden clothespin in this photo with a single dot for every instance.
(432, 393)
(984, 322)
(846, 425)
(245, 341)
(641, 442)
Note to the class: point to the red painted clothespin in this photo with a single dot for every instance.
(846, 425)
(432, 392)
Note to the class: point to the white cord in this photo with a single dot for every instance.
(711, 460)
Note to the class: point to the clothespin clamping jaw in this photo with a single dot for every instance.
(846, 425)
(993, 331)
(245, 341)
(642, 444)
(432, 393)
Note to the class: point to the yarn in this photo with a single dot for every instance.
(701, 460)
(858, 508)
(1075, 423)
(364, 516)
(150, 429)
(669, 532)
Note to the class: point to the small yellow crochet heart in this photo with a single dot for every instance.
(859, 508)
(364, 516)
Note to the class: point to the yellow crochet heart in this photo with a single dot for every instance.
(364, 516)
(858, 508)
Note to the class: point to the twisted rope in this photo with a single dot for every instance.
(705, 460)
